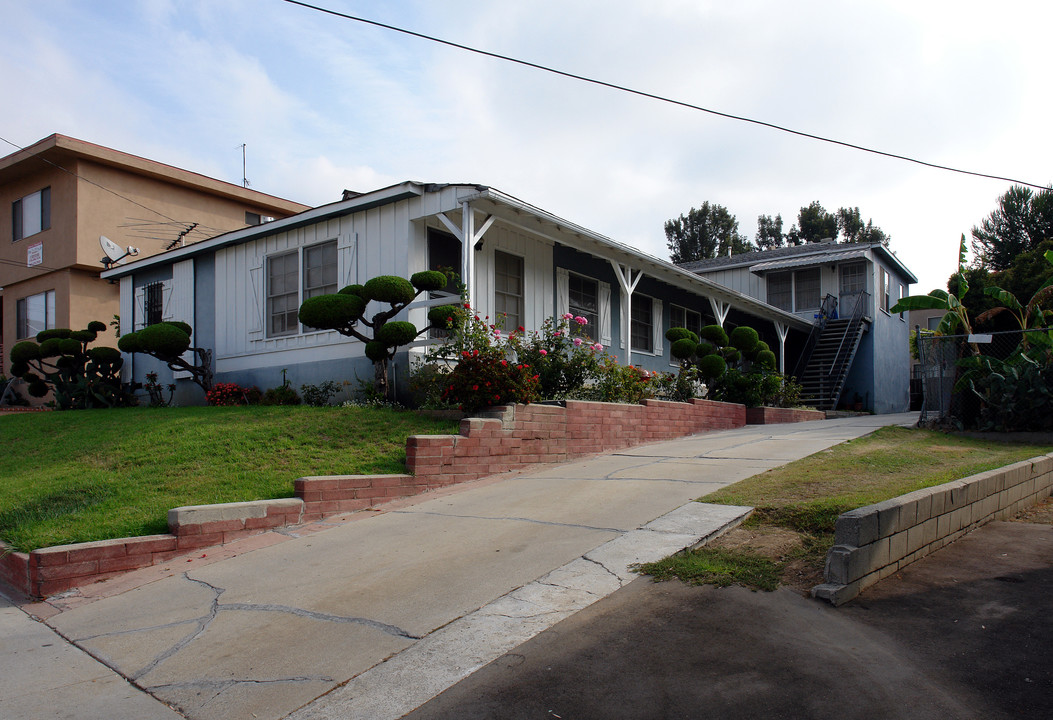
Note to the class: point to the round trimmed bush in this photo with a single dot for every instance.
(396, 333)
(96, 327)
(766, 359)
(705, 347)
(38, 388)
(24, 351)
(683, 348)
(352, 290)
(129, 343)
(744, 338)
(761, 347)
(711, 367)
(731, 355)
(83, 335)
(376, 351)
(715, 334)
(53, 333)
(20, 369)
(428, 280)
(52, 347)
(104, 355)
(678, 333)
(164, 340)
(438, 315)
(185, 327)
(327, 312)
(66, 362)
(390, 289)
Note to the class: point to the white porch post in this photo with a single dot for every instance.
(628, 283)
(720, 310)
(471, 240)
(782, 329)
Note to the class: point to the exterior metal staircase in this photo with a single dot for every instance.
(824, 366)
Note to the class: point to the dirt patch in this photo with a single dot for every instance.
(1041, 513)
(778, 544)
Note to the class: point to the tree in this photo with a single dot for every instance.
(168, 342)
(1021, 221)
(707, 232)
(814, 223)
(769, 232)
(344, 312)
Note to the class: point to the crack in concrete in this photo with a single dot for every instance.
(620, 531)
(568, 588)
(609, 571)
(202, 623)
(222, 685)
(326, 617)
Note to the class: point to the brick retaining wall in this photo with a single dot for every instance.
(876, 541)
(509, 438)
(772, 415)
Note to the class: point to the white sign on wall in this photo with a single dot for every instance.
(34, 254)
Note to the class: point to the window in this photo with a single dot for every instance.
(153, 303)
(444, 255)
(584, 301)
(780, 290)
(282, 294)
(34, 313)
(806, 287)
(319, 270)
(31, 214)
(934, 322)
(853, 283)
(252, 218)
(885, 288)
(508, 289)
(682, 317)
(642, 330)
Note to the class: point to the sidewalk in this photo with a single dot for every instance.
(373, 615)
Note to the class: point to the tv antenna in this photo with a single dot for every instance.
(244, 176)
(114, 254)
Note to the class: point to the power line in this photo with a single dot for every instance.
(660, 98)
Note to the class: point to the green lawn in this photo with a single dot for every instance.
(97, 474)
(806, 497)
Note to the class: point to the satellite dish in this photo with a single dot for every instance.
(114, 253)
(113, 250)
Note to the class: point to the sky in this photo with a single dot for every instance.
(323, 104)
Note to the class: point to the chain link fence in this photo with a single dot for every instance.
(934, 376)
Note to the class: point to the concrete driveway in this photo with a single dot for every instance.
(373, 615)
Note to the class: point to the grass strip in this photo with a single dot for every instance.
(808, 495)
(98, 474)
(716, 566)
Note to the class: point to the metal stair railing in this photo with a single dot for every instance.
(828, 308)
(846, 352)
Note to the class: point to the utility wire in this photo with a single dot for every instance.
(661, 98)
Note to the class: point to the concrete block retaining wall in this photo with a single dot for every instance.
(508, 438)
(876, 541)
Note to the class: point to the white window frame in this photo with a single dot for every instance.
(687, 312)
(501, 296)
(330, 282)
(301, 287)
(31, 214)
(24, 327)
(654, 328)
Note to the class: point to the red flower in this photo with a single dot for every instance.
(475, 387)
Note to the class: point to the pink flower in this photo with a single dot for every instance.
(597, 347)
(577, 342)
(581, 320)
(543, 351)
(558, 333)
(567, 316)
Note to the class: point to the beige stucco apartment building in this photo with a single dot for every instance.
(58, 196)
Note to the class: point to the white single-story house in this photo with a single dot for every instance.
(241, 290)
(861, 352)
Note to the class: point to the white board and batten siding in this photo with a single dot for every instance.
(740, 280)
(538, 289)
(369, 243)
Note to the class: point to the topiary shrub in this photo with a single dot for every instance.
(684, 348)
(428, 280)
(352, 290)
(711, 367)
(715, 334)
(332, 312)
(744, 339)
(679, 333)
(390, 289)
(396, 333)
(168, 342)
(60, 362)
(765, 359)
(441, 316)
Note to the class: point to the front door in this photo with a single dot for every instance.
(853, 282)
